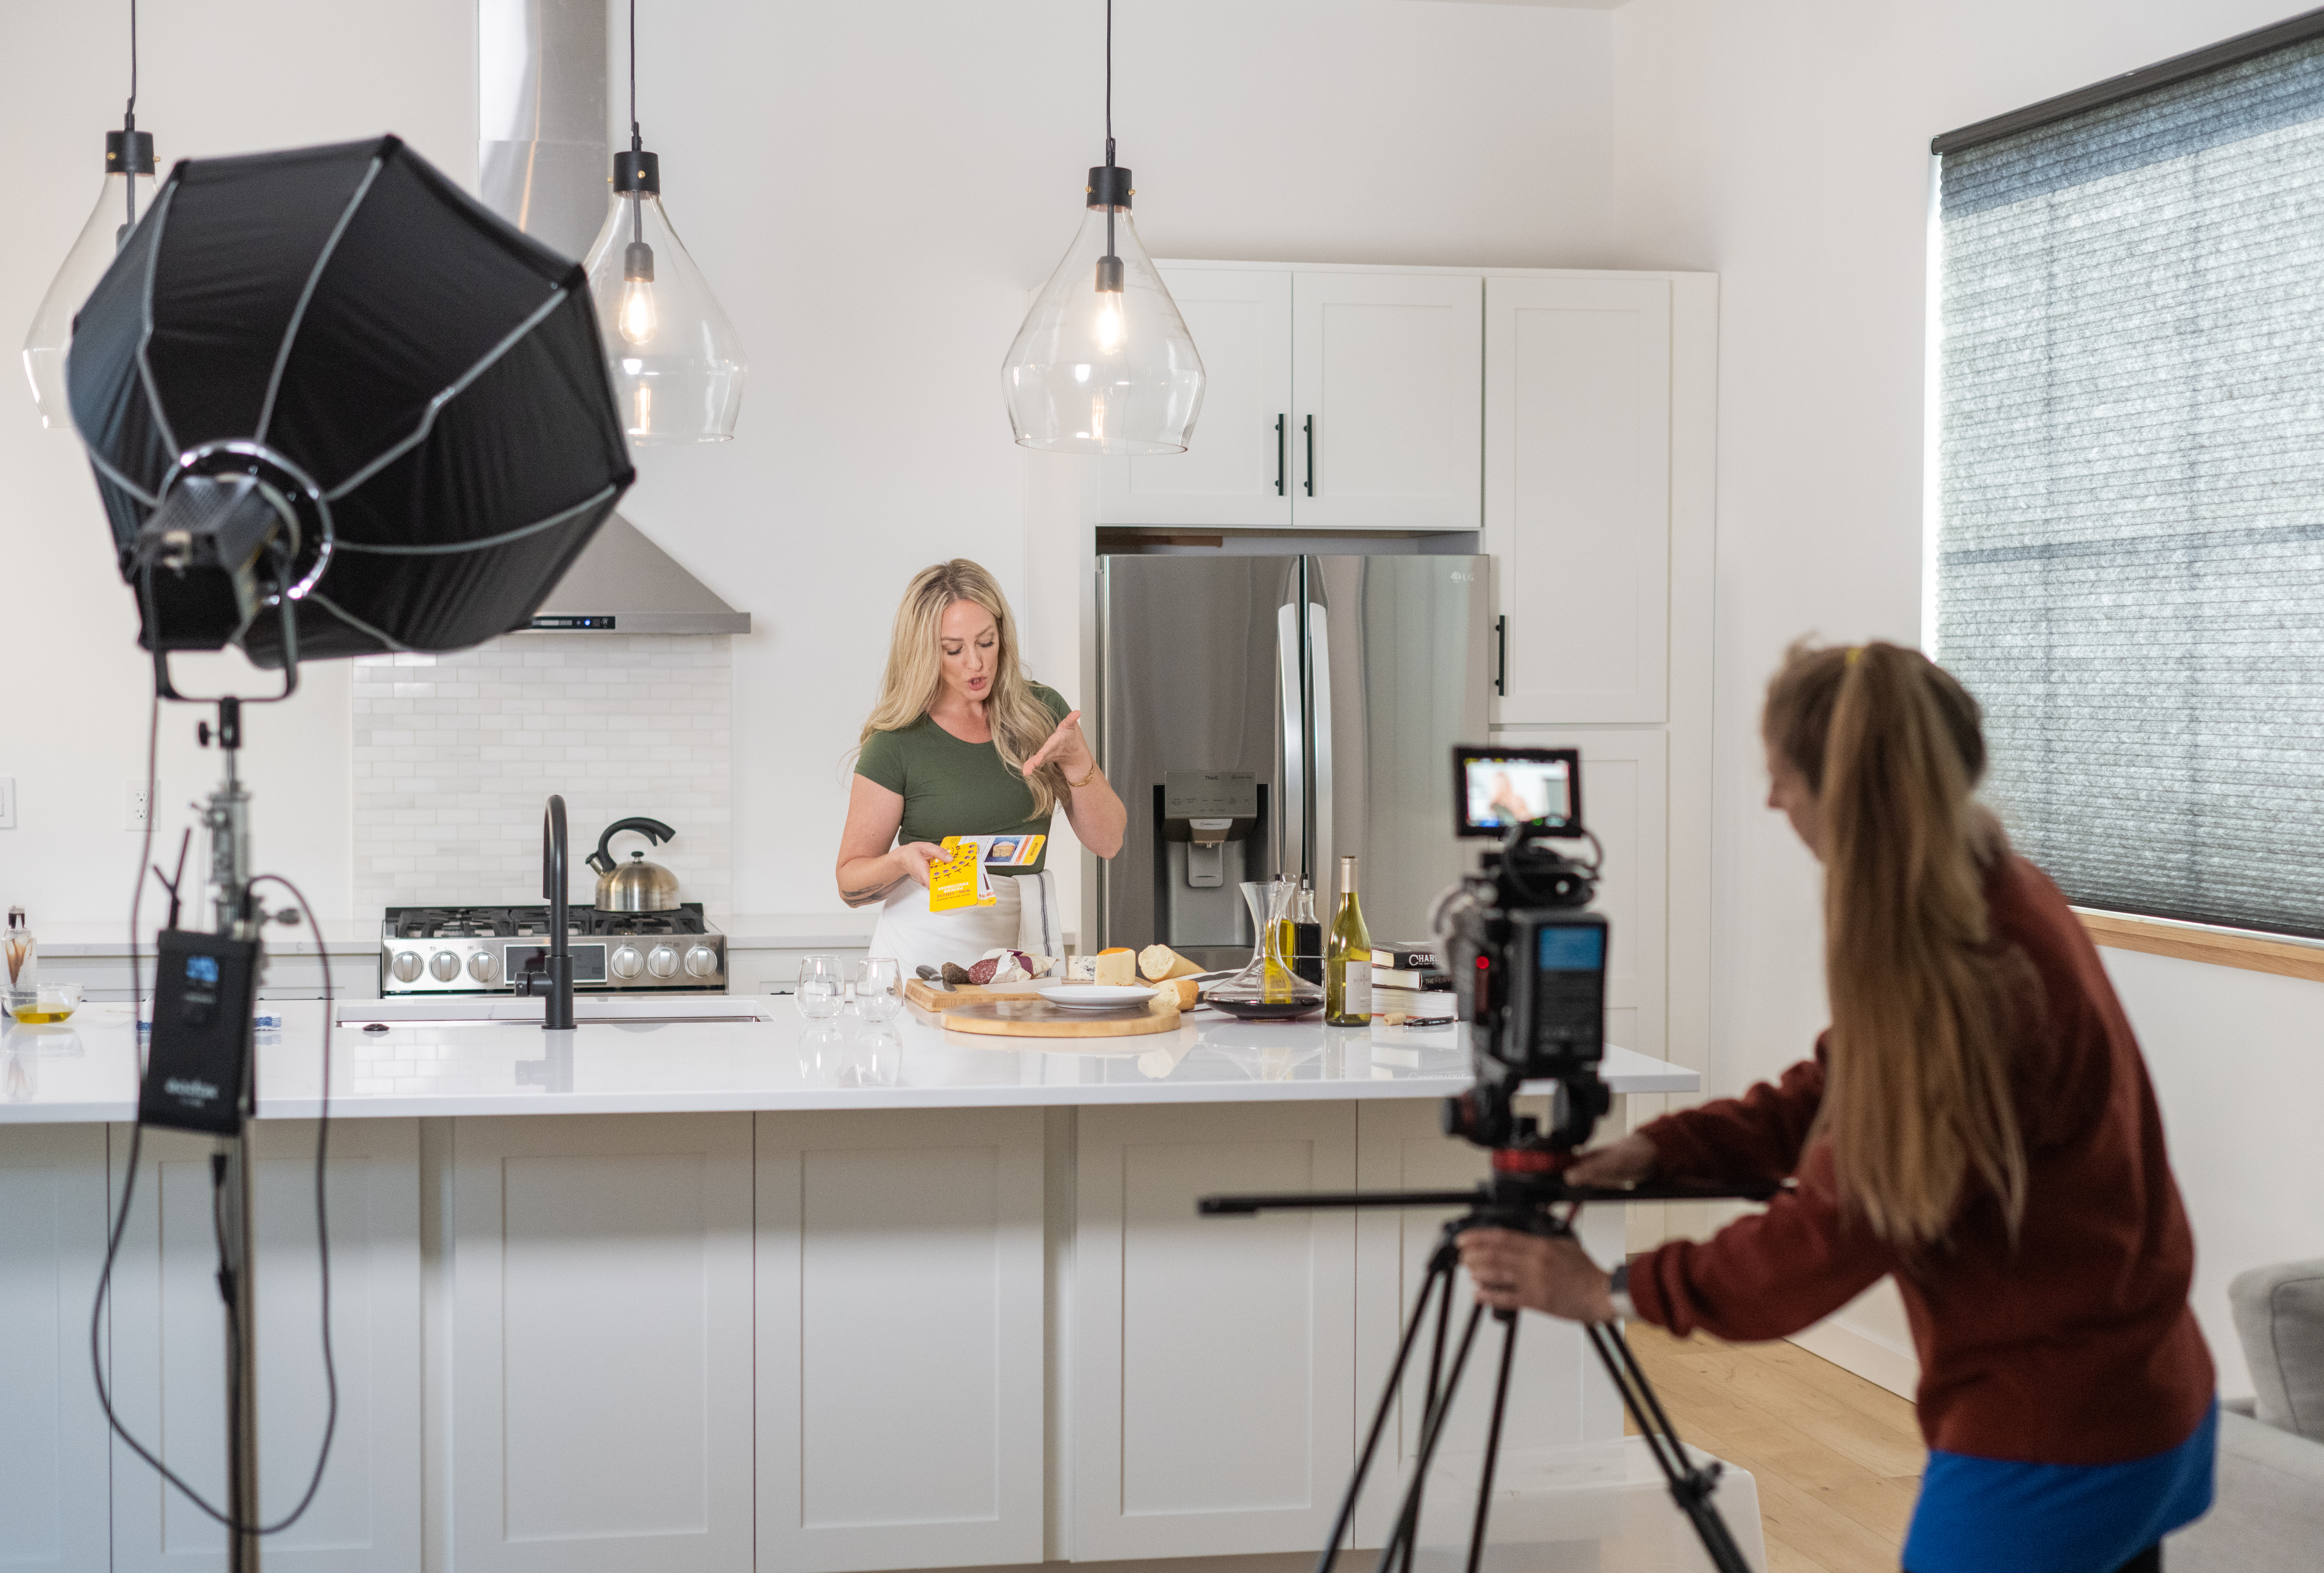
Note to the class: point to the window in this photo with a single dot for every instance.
(2130, 549)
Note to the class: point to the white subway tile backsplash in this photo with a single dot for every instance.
(455, 763)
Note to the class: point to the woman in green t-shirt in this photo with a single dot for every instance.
(962, 743)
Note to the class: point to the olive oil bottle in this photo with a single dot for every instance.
(1348, 958)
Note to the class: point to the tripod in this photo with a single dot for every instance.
(1514, 1198)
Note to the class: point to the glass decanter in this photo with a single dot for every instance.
(1269, 988)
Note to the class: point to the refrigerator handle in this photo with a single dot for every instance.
(1319, 697)
(1290, 850)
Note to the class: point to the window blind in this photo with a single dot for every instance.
(2130, 552)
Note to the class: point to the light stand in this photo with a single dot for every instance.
(1514, 1198)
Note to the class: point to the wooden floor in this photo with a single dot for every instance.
(1836, 1458)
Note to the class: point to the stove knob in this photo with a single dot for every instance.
(483, 967)
(444, 966)
(662, 961)
(406, 966)
(701, 961)
(627, 962)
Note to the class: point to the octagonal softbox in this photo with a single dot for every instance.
(421, 379)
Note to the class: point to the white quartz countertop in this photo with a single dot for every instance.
(727, 1052)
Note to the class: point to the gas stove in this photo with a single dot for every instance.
(479, 949)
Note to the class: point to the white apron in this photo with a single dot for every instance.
(1024, 918)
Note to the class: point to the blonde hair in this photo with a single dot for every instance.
(1020, 723)
(1924, 1006)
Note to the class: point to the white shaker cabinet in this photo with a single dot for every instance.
(601, 1333)
(1237, 469)
(169, 1363)
(900, 1339)
(1213, 1374)
(1578, 495)
(1385, 374)
(1336, 399)
(53, 1501)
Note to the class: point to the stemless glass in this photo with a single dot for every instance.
(880, 986)
(819, 987)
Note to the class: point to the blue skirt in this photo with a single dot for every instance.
(1985, 1516)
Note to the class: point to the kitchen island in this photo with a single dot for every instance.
(739, 1290)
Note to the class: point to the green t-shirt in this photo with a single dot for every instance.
(950, 788)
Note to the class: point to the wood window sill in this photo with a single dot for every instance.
(2191, 941)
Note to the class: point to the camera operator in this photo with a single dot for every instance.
(1977, 1121)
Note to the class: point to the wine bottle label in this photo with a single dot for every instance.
(1358, 987)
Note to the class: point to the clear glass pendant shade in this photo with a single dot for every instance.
(676, 362)
(51, 332)
(1104, 364)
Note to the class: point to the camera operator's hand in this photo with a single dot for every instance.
(1513, 1271)
(1624, 1163)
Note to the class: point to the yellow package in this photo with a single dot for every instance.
(957, 880)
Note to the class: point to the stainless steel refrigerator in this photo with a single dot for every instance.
(1269, 714)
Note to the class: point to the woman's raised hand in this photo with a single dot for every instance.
(917, 855)
(1065, 747)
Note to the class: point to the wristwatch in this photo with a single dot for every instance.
(1617, 1288)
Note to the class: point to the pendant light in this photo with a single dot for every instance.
(676, 362)
(1104, 364)
(128, 192)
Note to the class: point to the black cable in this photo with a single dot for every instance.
(250, 1264)
(1109, 80)
(633, 73)
(129, 115)
(144, 856)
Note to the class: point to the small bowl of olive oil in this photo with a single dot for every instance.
(44, 1004)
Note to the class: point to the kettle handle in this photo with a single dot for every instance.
(653, 830)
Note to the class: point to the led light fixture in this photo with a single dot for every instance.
(677, 364)
(128, 193)
(1104, 364)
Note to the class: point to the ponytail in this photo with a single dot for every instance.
(1919, 1099)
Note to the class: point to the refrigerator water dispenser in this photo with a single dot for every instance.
(1204, 822)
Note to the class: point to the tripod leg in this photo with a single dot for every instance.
(1690, 1486)
(1408, 1519)
(1439, 1266)
(1493, 1439)
(1449, 1251)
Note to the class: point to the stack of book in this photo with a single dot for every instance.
(1409, 986)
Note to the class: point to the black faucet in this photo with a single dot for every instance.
(553, 977)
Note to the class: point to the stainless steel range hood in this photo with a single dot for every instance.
(543, 162)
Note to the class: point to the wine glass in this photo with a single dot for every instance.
(819, 987)
(878, 986)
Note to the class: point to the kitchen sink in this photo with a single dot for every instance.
(588, 1010)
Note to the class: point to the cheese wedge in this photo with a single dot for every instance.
(1159, 964)
(1117, 967)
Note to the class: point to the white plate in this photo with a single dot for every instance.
(1096, 995)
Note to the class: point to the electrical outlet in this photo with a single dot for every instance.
(138, 806)
(7, 802)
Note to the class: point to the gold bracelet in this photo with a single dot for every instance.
(1086, 780)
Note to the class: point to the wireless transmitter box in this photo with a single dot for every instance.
(197, 1072)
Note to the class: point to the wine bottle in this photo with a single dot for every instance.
(1348, 958)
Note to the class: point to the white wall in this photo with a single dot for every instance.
(1784, 145)
(873, 190)
(215, 79)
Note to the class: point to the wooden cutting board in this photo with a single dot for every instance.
(936, 996)
(1037, 1018)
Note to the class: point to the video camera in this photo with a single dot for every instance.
(1528, 962)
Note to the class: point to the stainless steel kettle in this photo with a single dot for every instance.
(636, 885)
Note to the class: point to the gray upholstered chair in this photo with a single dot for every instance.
(2270, 1511)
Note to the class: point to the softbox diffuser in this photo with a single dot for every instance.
(422, 379)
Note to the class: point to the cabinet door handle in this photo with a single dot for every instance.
(1310, 455)
(1501, 662)
(1282, 450)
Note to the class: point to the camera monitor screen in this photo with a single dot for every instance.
(1495, 789)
